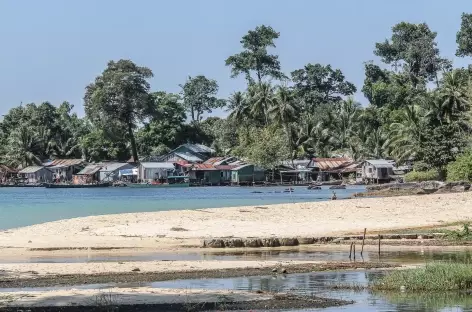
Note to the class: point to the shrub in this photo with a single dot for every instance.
(461, 168)
(420, 176)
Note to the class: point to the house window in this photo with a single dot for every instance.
(370, 170)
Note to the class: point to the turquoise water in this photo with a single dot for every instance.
(28, 206)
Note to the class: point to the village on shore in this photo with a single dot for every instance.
(196, 165)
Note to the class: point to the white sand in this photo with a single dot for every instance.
(154, 229)
(25, 270)
(117, 296)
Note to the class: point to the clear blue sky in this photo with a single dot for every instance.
(51, 49)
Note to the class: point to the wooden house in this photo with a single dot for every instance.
(188, 153)
(151, 171)
(89, 174)
(247, 174)
(64, 169)
(377, 171)
(110, 172)
(36, 174)
(6, 173)
(209, 174)
(325, 169)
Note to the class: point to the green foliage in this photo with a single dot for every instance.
(464, 36)
(461, 168)
(255, 57)
(432, 277)
(318, 84)
(460, 235)
(199, 96)
(421, 176)
(120, 95)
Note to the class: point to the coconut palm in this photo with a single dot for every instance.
(405, 135)
(24, 147)
(454, 95)
(239, 106)
(261, 99)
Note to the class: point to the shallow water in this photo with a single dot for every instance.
(315, 284)
(306, 253)
(27, 206)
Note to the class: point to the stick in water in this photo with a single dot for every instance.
(354, 251)
(379, 246)
(350, 251)
(363, 239)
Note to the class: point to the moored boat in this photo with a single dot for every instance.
(172, 181)
(59, 185)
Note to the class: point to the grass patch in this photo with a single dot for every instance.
(432, 277)
(461, 235)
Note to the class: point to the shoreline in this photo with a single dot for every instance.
(184, 229)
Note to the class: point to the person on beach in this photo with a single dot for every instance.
(334, 197)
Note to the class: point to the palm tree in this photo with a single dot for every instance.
(347, 117)
(453, 95)
(405, 135)
(261, 99)
(239, 106)
(24, 147)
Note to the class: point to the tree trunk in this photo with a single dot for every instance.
(193, 113)
(134, 149)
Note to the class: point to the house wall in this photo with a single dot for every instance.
(247, 175)
(42, 175)
(371, 172)
(149, 174)
(111, 176)
(212, 177)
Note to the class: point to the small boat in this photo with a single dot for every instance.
(59, 185)
(338, 187)
(172, 181)
(314, 187)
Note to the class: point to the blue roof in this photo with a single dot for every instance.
(188, 157)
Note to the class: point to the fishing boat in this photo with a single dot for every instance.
(62, 185)
(172, 181)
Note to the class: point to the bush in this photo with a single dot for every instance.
(420, 176)
(461, 168)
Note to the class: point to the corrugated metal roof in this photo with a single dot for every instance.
(158, 165)
(188, 157)
(110, 167)
(5, 168)
(348, 168)
(199, 148)
(202, 167)
(225, 167)
(325, 164)
(90, 169)
(214, 160)
(64, 163)
(241, 167)
(31, 169)
(380, 163)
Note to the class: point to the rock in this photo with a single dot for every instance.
(274, 270)
(29, 242)
(270, 242)
(338, 240)
(135, 270)
(253, 243)
(214, 243)
(460, 188)
(234, 243)
(284, 271)
(306, 240)
(391, 236)
(409, 236)
(286, 241)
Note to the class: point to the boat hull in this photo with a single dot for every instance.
(142, 185)
(52, 185)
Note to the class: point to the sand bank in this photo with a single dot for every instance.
(171, 230)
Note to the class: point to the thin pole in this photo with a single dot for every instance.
(363, 239)
(379, 246)
(350, 251)
(354, 251)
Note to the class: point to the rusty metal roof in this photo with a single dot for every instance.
(326, 164)
(213, 160)
(202, 167)
(31, 169)
(90, 169)
(5, 168)
(347, 168)
(64, 163)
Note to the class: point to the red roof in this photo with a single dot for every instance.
(331, 163)
(65, 162)
(214, 160)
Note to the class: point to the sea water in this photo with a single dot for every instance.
(28, 206)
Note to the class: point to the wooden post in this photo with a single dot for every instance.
(379, 246)
(354, 251)
(350, 251)
(363, 239)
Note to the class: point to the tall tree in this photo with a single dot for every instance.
(453, 94)
(262, 98)
(255, 57)
(121, 94)
(199, 96)
(317, 84)
(413, 47)
(24, 147)
(464, 36)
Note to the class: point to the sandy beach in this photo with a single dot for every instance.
(173, 230)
